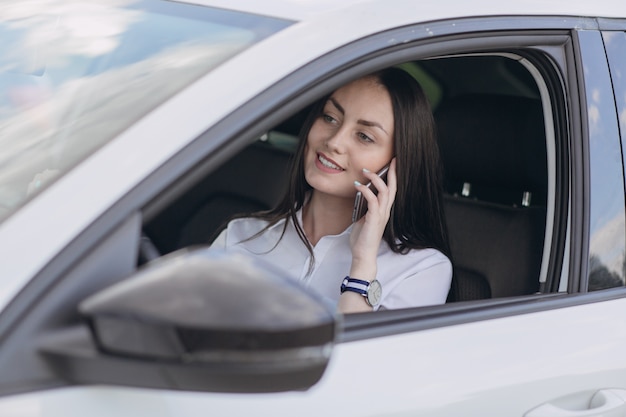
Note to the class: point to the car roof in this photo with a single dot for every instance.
(425, 10)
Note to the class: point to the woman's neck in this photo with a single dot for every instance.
(326, 215)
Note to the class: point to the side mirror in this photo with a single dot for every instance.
(211, 322)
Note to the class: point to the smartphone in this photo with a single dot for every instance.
(360, 203)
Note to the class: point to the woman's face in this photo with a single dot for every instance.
(354, 132)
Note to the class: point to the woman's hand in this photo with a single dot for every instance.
(367, 234)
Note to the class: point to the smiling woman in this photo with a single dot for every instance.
(396, 255)
(354, 132)
(75, 75)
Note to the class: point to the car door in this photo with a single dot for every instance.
(559, 351)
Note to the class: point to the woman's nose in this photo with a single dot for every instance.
(338, 141)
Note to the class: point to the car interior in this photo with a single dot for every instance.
(495, 152)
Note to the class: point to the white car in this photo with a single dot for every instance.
(131, 129)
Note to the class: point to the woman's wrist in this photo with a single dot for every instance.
(363, 270)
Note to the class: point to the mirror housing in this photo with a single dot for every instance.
(202, 320)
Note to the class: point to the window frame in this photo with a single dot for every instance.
(554, 43)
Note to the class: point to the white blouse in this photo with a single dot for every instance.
(419, 278)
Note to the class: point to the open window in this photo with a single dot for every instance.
(497, 140)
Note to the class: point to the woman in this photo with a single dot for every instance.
(400, 244)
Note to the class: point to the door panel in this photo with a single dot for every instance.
(499, 367)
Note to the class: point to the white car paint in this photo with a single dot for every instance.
(521, 375)
(309, 10)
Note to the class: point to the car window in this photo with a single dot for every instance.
(606, 246)
(494, 144)
(615, 43)
(74, 75)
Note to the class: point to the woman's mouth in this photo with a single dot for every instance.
(328, 163)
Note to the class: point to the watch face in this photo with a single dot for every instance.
(374, 293)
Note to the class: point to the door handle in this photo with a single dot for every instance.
(602, 403)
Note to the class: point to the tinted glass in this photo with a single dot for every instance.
(606, 263)
(615, 44)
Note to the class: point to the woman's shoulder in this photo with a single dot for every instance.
(245, 226)
(425, 257)
(237, 230)
(245, 222)
(432, 254)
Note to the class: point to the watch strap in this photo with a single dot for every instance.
(355, 285)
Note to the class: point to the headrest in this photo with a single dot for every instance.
(493, 141)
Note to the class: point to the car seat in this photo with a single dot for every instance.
(493, 150)
(253, 180)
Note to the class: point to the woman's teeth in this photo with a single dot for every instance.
(327, 163)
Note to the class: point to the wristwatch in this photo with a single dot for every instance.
(372, 291)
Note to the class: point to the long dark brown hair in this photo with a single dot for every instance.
(417, 219)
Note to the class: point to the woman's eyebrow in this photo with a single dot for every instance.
(341, 110)
(371, 124)
(337, 105)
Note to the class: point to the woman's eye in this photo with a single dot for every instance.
(364, 137)
(328, 119)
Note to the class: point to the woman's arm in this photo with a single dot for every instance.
(367, 234)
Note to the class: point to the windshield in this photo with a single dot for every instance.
(74, 74)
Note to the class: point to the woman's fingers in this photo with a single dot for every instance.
(386, 191)
(392, 179)
(368, 194)
(367, 233)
